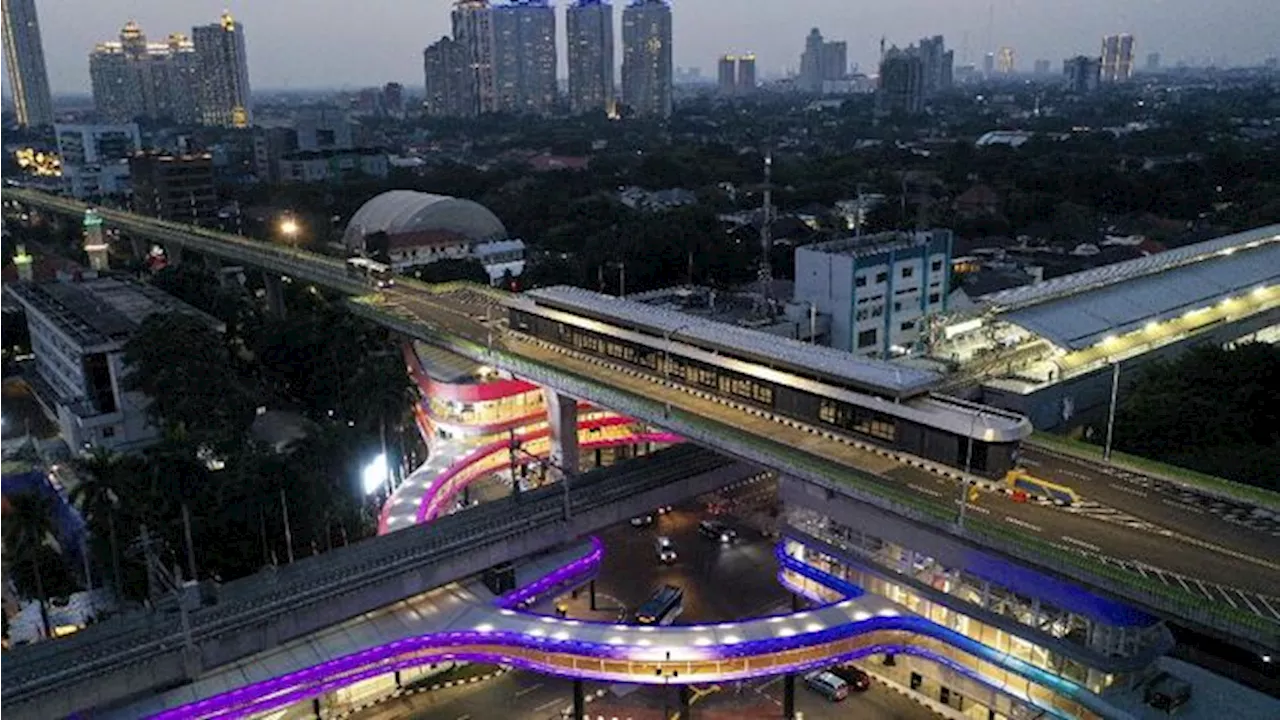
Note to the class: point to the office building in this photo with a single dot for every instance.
(95, 158)
(589, 34)
(746, 74)
(524, 56)
(1081, 74)
(727, 75)
(448, 80)
(810, 79)
(133, 78)
(1041, 67)
(174, 187)
(989, 64)
(224, 96)
(879, 290)
(938, 64)
(333, 165)
(835, 60)
(1117, 58)
(1153, 62)
(322, 128)
(473, 30)
(646, 57)
(24, 61)
(78, 331)
(901, 84)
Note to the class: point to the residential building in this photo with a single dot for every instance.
(646, 57)
(835, 60)
(1153, 62)
(323, 128)
(901, 88)
(937, 64)
(334, 165)
(95, 158)
(473, 29)
(1082, 74)
(524, 55)
(1117, 58)
(746, 74)
(989, 64)
(810, 79)
(174, 187)
(727, 75)
(879, 290)
(589, 34)
(393, 99)
(448, 80)
(78, 328)
(224, 97)
(24, 61)
(133, 78)
(1041, 67)
(270, 145)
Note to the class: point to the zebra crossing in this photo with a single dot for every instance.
(1103, 513)
(1253, 518)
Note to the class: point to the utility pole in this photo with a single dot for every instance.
(1111, 411)
(765, 274)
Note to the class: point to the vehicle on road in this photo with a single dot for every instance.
(640, 521)
(663, 509)
(666, 549)
(381, 276)
(857, 679)
(1019, 480)
(717, 531)
(828, 685)
(663, 607)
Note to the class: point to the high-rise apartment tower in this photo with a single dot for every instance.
(24, 61)
(589, 33)
(647, 71)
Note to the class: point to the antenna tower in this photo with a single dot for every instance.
(765, 276)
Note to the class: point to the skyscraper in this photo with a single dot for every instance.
(1041, 67)
(1117, 58)
(448, 80)
(835, 60)
(811, 62)
(902, 83)
(1081, 74)
(646, 57)
(1153, 62)
(473, 29)
(133, 78)
(1005, 62)
(589, 31)
(727, 75)
(24, 60)
(224, 73)
(989, 64)
(938, 64)
(524, 53)
(746, 74)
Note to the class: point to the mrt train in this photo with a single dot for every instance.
(867, 400)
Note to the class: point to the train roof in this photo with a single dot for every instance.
(876, 376)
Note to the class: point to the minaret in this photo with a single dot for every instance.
(95, 245)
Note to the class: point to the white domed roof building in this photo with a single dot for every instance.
(421, 228)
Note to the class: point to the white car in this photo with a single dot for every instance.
(666, 549)
(640, 521)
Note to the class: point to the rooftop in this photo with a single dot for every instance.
(97, 311)
(870, 244)
(744, 342)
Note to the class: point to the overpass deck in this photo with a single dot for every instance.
(463, 320)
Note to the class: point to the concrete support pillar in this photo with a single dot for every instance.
(579, 701)
(275, 293)
(686, 701)
(173, 254)
(139, 248)
(562, 418)
(789, 697)
(592, 586)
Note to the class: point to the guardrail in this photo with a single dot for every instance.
(39, 668)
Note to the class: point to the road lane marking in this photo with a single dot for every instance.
(924, 490)
(1126, 488)
(1022, 523)
(1081, 543)
(1030, 463)
(972, 507)
(1224, 594)
(548, 705)
(1183, 506)
(1263, 600)
(526, 691)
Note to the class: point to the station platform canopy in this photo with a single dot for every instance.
(1080, 310)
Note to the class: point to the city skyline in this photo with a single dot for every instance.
(1179, 29)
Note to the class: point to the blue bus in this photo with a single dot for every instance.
(663, 608)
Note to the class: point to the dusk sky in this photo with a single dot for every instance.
(356, 43)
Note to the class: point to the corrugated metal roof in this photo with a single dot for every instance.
(751, 344)
(1080, 320)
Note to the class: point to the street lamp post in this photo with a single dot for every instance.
(1111, 411)
(968, 468)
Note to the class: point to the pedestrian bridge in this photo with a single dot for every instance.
(467, 628)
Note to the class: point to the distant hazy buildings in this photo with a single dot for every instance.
(938, 64)
(822, 62)
(448, 80)
(204, 79)
(589, 33)
(1081, 74)
(736, 75)
(647, 70)
(524, 56)
(746, 74)
(1005, 61)
(24, 61)
(1153, 62)
(1117, 58)
(901, 85)
(1041, 67)
(133, 78)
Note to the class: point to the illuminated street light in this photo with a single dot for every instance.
(290, 227)
(375, 474)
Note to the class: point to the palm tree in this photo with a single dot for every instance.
(97, 496)
(28, 530)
